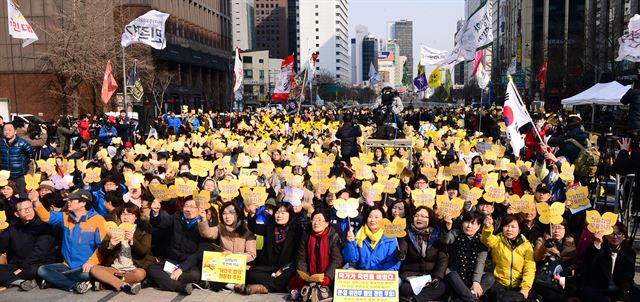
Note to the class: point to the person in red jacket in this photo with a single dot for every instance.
(83, 127)
(531, 140)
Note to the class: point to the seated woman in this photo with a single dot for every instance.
(550, 251)
(124, 259)
(233, 234)
(275, 264)
(319, 252)
(369, 249)
(422, 254)
(512, 257)
(609, 267)
(466, 274)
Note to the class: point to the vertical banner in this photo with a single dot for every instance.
(230, 268)
(19, 28)
(371, 286)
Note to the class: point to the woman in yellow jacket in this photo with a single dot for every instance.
(514, 266)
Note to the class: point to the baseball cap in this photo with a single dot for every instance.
(543, 188)
(82, 195)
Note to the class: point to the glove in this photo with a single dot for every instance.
(326, 281)
(401, 255)
(434, 283)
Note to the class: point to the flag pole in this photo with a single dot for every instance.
(124, 82)
(521, 104)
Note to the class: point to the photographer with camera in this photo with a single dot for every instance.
(348, 135)
(386, 112)
(34, 134)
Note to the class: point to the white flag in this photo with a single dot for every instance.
(147, 29)
(476, 33)
(238, 71)
(515, 116)
(513, 68)
(432, 56)
(629, 44)
(19, 28)
(482, 76)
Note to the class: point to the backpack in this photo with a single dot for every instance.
(315, 293)
(586, 164)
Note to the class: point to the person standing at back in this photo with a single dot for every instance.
(15, 155)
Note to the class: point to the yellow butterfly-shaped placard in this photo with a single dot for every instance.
(295, 180)
(243, 160)
(47, 166)
(141, 149)
(578, 197)
(346, 207)
(494, 192)
(200, 167)
(502, 163)
(318, 173)
(161, 192)
(396, 165)
(117, 231)
(523, 166)
(381, 171)
(116, 140)
(550, 213)
(522, 204)
(325, 159)
(32, 181)
(92, 175)
(395, 229)
(256, 196)
(449, 207)
(265, 169)
(604, 223)
(362, 171)
(390, 184)
(185, 187)
(249, 181)
(472, 195)
(323, 186)
(133, 180)
(534, 181)
(284, 172)
(490, 155)
(566, 172)
(298, 159)
(229, 188)
(365, 158)
(3, 220)
(458, 168)
(429, 172)
(372, 192)
(424, 197)
(337, 184)
(202, 199)
(69, 165)
(513, 170)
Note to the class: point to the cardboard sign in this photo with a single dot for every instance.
(494, 192)
(472, 195)
(230, 268)
(185, 187)
(370, 286)
(202, 199)
(346, 207)
(117, 231)
(229, 188)
(522, 204)
(256, 196)
(424, 197)
(395, 229)
(578, 197)
(449, 207)
(550, 213)
(601, 223)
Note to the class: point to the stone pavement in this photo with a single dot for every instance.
(145, 295)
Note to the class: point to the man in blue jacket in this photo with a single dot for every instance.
(173, 121)
(15, 155)
(107, 132)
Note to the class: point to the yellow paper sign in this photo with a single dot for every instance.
(370, 286)
(449, 207)
(346, 207)
(550, 214)
(566, 172)
(534, 181)
(372, 192)
(162, 192)
(513, 170)
(256, 196)
(472, 195)
(32, 181)
(117, 231)
(3, 220)
(337, 185)
(458, 169)
(202, 199)
(390, 185)
(395, 229)
(230, 268)
(423, 197)
(92, 175)
(494, 192)
(200, 167)
(578, 197)
(603, 223)
(317, 278)
(429, 172)
(265, 169)
(185, 187)
(229, 188)
(522, 204)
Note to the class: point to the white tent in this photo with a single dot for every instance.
(599, 94)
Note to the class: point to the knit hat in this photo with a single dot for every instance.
(47, 184)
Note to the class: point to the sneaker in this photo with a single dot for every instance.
(97, 286)
(295, 295)
(187, 289)
(43, 284)
(82, 287)
(134, 289)
(28, 285)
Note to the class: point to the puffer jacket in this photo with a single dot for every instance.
(15, 156)
(382, 258)
(514, 264)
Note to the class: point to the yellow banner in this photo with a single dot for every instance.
(230, 268)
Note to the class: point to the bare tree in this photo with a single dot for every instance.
(162, 78)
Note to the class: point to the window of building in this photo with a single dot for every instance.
(262, 74)
(260, 61)
(248, 73)
(261, 89)
(317, 14)
(247, 59)
(248, 89)
(317, 45)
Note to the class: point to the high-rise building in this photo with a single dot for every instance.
(369, 55)
(356, 55)
(243, 24)
(324, 28)
(403, 35)
(272, 27)
(391, 30)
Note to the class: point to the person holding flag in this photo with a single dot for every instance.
(515, 117)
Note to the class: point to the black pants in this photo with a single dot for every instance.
(7, 276)
(427, 293)
(462, 291)
(590, 294)
(501, 293)
(164, 282)
(274, 285)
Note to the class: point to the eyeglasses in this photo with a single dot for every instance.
(27, 209)
(421, 216)
(189, 207)
(617, 234)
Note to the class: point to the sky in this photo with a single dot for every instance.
(434, 21)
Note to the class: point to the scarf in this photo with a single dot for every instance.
(281, 234)
(188, 224)
(323, 251)
(364, 233)
(466, 250)
(422, 239)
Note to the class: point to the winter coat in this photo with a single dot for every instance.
(80, 240)
(83, 129)
(598, 264)
(632, 98)
(232, 242)
(382, 258)
(434, 263)
(274, 257)
(335, 256)
(103, 136)
(514, 264)
(629, 164)
(28, 245)
(35, 143)
(140, 250)
(174, 122)
(567, 148)
(348, 135)
(15, 156)
(461, 249)
(567, 250)
(184, 245)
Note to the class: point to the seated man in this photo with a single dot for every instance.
(183, 249)
(83, 231)
(29, 243)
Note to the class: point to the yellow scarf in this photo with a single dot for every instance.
(365, 232)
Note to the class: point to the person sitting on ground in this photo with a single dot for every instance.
(370, 249)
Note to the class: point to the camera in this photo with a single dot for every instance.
(549, 243)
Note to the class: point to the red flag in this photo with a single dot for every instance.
(476, 61)
(283, 81)
(109, 85)
(542, 75)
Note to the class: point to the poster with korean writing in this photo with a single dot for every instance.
(369, 286)
(229, 268)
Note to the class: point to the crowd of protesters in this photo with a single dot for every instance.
(59, 190)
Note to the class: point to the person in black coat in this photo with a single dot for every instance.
(610, 268)
(628, 162)
(632, 98)
(29, 243)
(348, 134)
(184, 249)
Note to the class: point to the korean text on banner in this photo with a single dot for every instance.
(147, 29)
(357, 285)
(230, 268)
(19, 28)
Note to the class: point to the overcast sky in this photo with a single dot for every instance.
(434, 21)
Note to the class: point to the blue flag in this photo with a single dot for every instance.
(374, 76)
(421, 82)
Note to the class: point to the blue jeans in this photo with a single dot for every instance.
(60, 276)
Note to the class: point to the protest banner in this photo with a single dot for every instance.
(229, 268)
(370, 286)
